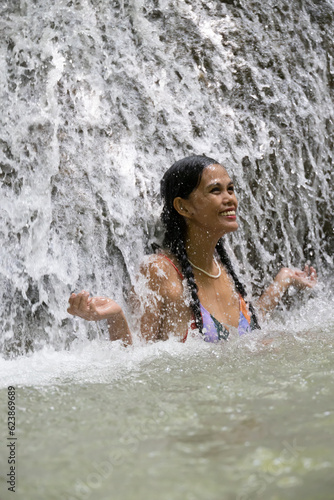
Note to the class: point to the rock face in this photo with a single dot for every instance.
(98, 98)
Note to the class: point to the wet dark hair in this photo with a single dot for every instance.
(180, 180)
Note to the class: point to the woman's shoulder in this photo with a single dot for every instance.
(162, 275)
(162, 265)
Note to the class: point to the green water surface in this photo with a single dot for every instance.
(238, 422)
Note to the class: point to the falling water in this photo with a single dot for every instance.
(98, 98)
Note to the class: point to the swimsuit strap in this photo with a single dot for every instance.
(176, 269)
(244, 309)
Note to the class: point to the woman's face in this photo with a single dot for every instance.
(212, 205)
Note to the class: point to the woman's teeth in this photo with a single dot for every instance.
(230, 212)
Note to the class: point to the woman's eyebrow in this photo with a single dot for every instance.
(218, 183)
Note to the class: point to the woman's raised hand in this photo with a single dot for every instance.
(300, 279)
(285, 278)
(99, 308)
(92, 308)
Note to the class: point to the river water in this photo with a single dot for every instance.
(244, 420)
(98, 99)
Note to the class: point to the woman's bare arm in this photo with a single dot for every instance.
(155, 289)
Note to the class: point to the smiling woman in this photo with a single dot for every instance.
(199, 209)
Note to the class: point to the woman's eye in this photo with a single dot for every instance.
(215, 190)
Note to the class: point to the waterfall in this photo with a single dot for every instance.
(100, 97)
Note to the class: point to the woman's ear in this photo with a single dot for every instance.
(180, 205)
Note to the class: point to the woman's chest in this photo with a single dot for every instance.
(221, 300)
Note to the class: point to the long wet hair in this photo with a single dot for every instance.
(180, 181)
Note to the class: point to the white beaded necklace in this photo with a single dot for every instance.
(208, 274)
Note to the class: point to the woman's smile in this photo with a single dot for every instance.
(229, 213)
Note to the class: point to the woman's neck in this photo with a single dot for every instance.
(200, 250)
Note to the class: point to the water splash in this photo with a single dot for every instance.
(98, 99)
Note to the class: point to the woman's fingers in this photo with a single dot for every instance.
(72, 297)
(71, 307)
(80, 300)
(313, 273)
(310, 271)
(79, 303)
(82, 304)
(306, 278)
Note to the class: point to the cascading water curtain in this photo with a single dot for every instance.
(100, 97)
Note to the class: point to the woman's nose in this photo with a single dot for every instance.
(229, 198)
